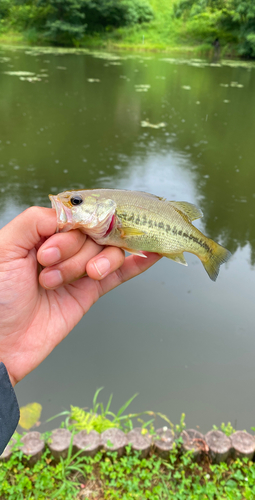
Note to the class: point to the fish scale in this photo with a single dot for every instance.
(139, 222)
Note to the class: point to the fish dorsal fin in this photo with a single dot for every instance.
(149, 195)
(190, 210)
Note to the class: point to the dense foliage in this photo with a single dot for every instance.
(65, 22)
(221, 20)
(105, 14)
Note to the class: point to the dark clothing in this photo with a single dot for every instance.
(9, 409)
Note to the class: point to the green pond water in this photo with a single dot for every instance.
(184, 343)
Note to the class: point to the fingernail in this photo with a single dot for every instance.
(50, 256)
(52, 279)
(102, 265)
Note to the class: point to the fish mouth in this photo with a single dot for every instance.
(64, 214)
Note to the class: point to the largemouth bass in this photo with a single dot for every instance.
(137, 222)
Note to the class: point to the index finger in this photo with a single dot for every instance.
(25, 231)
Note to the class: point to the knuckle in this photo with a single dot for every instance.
(33, 211)
(75, 270)
(120, 275)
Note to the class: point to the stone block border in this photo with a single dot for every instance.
(215, 443)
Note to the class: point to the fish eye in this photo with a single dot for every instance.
(76, 200)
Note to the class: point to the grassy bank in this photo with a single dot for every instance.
(164, 33)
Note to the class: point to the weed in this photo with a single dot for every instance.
(96, 418)
(226, 428)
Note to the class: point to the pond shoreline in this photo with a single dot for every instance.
(17, 39)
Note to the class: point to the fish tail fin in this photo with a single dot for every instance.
(217, 256)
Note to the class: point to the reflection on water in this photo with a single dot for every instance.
(78, 121)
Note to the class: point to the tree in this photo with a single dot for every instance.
(65, 24)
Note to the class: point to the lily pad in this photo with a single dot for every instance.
(186, 87)
(29, 415)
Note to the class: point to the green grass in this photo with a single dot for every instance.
(12, 38)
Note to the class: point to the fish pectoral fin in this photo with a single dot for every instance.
(177, 257)
(188, 209)
(130, 231)
(135, 252)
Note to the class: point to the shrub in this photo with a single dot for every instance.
(5, 6)
(65, 24)
(227, 20)
(26, 16)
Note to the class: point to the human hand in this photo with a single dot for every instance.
(37, 313)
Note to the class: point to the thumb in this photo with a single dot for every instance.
(25, 231)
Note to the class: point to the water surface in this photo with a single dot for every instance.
(184, 343)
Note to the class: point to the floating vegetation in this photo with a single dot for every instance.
(238, 63)
(232, 84)
(105, 55)
(30, 79)
(142, 87)
(236, 84)
(186, 87)
(19, 73)
(198, 63)
(226, 101)
(146, 123)
(61, 67)
(35, 51)
(27, 75)
(4, 59)
(93, 80)
(202, 63)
